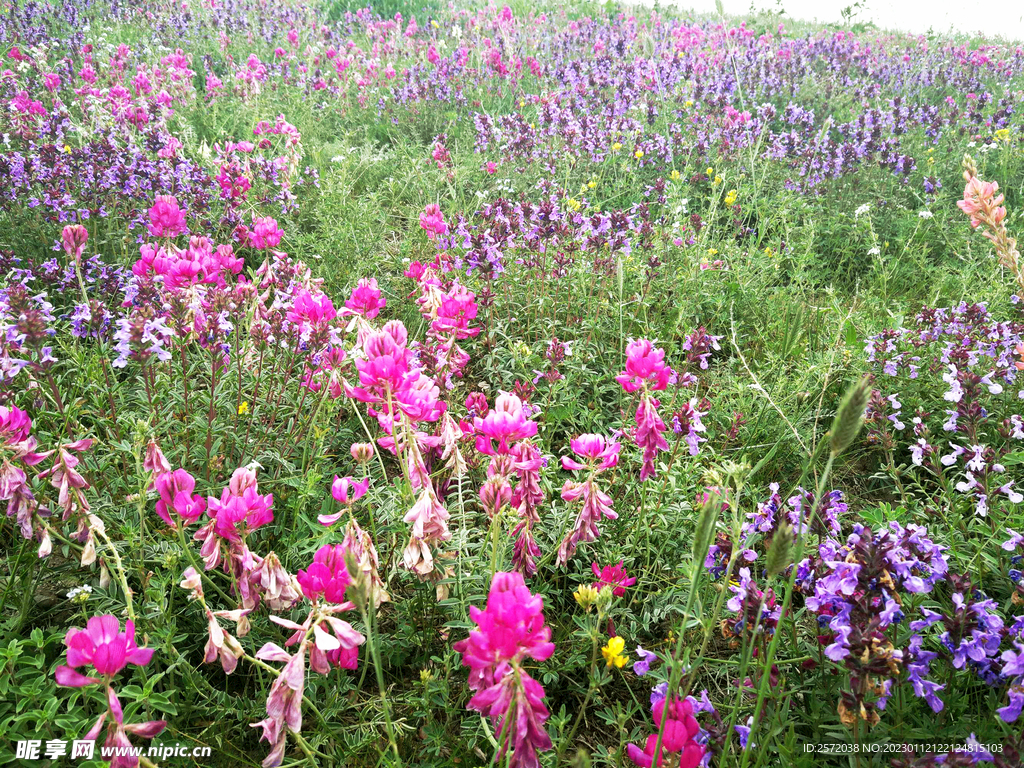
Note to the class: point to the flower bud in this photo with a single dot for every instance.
(362, 452)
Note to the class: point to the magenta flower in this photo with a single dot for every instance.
(678, 739)
(649, 434)
(265, 233)
(601, 453)
(311, 311)
(345, 491)
(506, 423)
(74, 238)
(175, 489)
(326, 576)
(509, 630)
(432, 220)
(103, 646)
(614, 576)
(166, 219)
(366, 299)
(645, 364)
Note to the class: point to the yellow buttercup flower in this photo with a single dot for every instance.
(639, 153)
(243, 408)
(616, 147)
(730, 198)
(613, 654)
(710, 172)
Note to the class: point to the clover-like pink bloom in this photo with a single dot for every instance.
(326, 576)
(74, 237)
(506, 422)
(650, 431)
(103, 646)
(645, 364)
(16, 437)
(614, 576)
(432, 220)
(175, 489)
(601, 453)
(679, 738)
(366, 299)
(265, 233)
(166, 219)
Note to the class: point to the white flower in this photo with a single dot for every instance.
(924, 214)
(862, 210)
(874, 251)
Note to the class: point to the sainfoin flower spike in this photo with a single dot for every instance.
(509, 631)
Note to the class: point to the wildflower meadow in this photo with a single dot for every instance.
(545, 384)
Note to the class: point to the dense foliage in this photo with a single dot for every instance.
(539, 385)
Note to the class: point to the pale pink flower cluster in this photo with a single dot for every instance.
(600, 454)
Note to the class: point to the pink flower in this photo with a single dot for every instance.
(366, 299)
(649, 435)
(432, 220)
(506, 423)
(614, 576)
(103, 646)
(980, 201)
(601, 453)
(166, 219)
(74, 237)
(326, 576)
(596, 504)
(509, 630)
(678, 738)
(345, 491)
(645, 364)
(491, 168)
(175, 489)
(265, 233)
(362, 453)
(309, 311)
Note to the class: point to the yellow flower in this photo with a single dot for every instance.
(639, 153)
(243, 408)
(613, 654)
(434, 24)
(573, 203)
(591, 184)
(689, 103)
(718, 179)
(712, 251)
(586, 596)
(67, 150)
(730, 198)
(616, 147)
(674, 175)
(710, 172)
(522, 102)
(1003, 134)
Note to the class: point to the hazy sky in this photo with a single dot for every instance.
(1002, 17)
